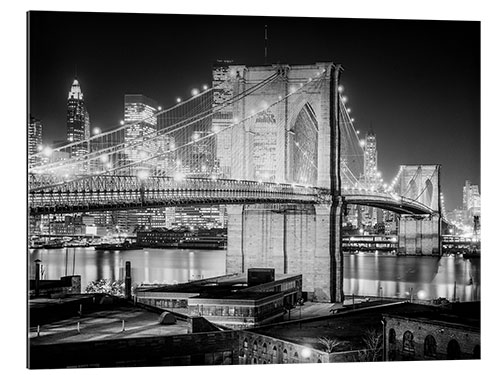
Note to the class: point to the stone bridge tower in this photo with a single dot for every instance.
(293, 239)
(421, 235)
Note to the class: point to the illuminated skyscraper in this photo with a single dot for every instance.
(370, 159)
(78, 119)
(471, 202)
(34, 138)
(139, 110)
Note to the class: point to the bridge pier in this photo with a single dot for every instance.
(292, 239)
(419, 235)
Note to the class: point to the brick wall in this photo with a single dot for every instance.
(467, 338)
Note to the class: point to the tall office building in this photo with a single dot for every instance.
(139, 110)
(77, 120)
(471, 202)
(34, 139)
(370, 159)
(471, 196)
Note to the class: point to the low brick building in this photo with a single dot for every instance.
(450, 332)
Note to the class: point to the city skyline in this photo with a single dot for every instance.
(387, 77)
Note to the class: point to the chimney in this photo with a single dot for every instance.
(128, 281)
(37, 277)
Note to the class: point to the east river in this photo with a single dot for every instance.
(364, 274)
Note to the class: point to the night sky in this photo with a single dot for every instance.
(416, 82)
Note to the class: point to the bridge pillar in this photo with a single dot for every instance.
(292, 239)
(235, 257)
(419, 235)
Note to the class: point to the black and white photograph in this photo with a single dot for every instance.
(251, 189)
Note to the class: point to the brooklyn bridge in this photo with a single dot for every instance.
(284, 157)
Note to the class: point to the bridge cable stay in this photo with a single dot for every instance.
(426, 186)
(191, 134)
(172, 119)
(134, 149)
(412, 181)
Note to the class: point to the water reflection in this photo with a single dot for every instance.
(364, 274)
(149, 265)
(423, 277)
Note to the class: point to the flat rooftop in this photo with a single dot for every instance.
(348, 327)
(101, 323)
(465, 314)
(221, 286)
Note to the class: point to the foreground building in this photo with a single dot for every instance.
(96, 330)
(235, 301)
(449, 333)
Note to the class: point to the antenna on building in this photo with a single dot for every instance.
(265, 44)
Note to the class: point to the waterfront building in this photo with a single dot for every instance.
(232, 301)
(77, 119)
(196, 217)
(34, 139)
(130, 221)
(214, 238)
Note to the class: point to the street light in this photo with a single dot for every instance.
(306, 353)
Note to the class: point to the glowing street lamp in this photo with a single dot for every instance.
(178, 100)
(179, 176)
(142, 174)
(122, 122)
(96, 131)
(47, 151)
(195, 92)
(205, 87)
(306, 353)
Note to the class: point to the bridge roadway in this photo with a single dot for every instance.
(119, 192)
